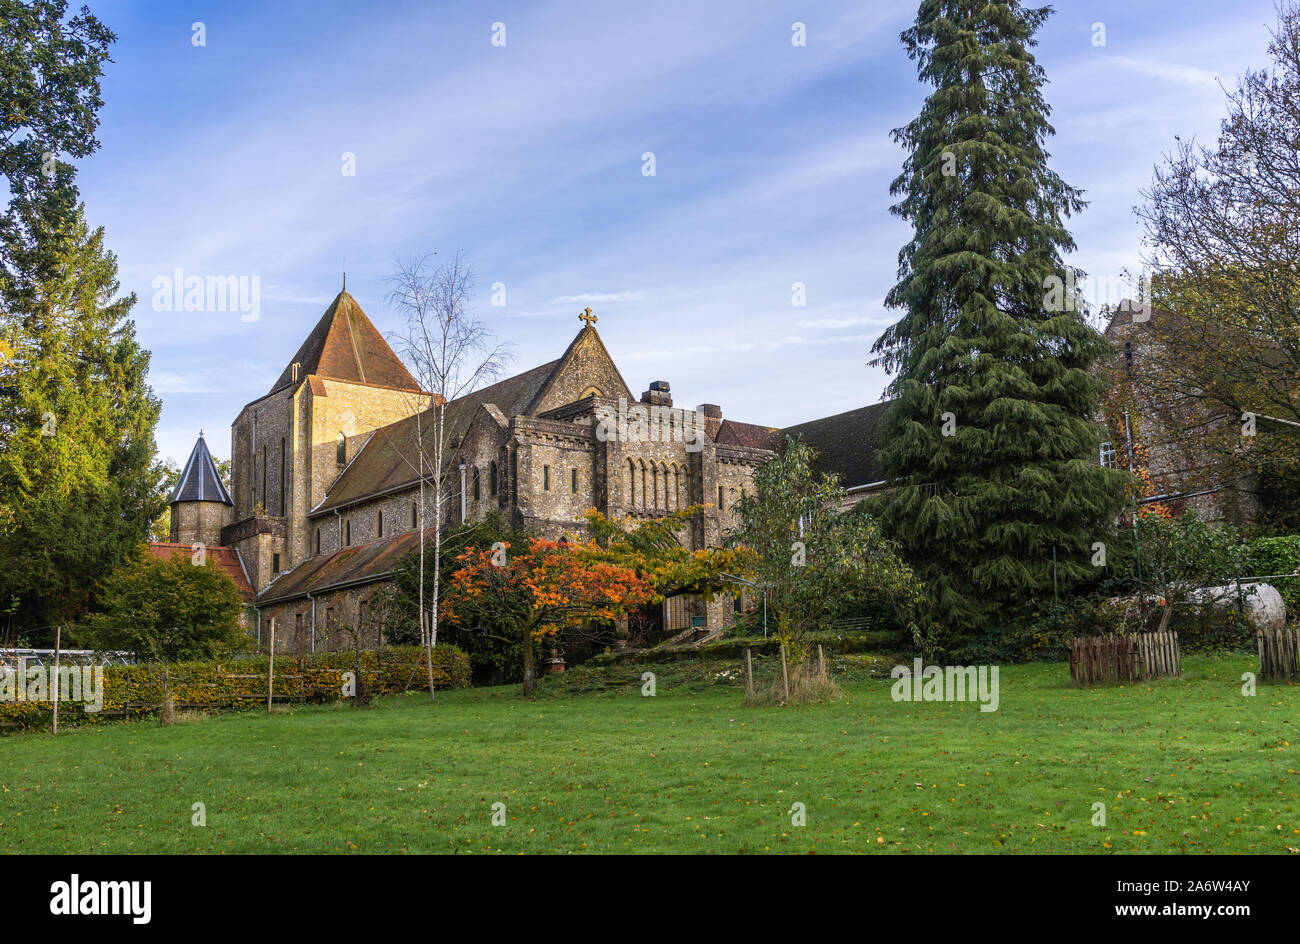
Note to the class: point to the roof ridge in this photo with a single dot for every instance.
(364, 356)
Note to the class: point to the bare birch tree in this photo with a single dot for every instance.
(452, 353)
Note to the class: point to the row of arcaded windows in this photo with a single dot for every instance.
(654, 485)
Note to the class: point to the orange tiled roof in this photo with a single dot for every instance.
(227, 559)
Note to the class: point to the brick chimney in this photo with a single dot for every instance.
(658, 394)
(712, 414)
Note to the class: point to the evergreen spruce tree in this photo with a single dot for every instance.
(991, 437)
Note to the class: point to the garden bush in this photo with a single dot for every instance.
(1279, 555)
(135, 691)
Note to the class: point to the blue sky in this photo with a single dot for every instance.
(772, 166)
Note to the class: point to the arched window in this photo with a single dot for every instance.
(318, 540)
(492, 479)
(341, 449)
(654, 485)
(641, 472)
(379, 522)
(347, 533)
(476, 486)
(415, 516)
(629, 486)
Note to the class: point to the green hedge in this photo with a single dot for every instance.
(1280, 555)
(135, 691)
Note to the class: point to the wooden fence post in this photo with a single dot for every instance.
(749, 675)
(54, 682)
(785, 673)
(270, 670)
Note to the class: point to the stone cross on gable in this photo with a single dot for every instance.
(588, 317)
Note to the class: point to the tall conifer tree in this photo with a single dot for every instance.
(992, 437)
(77, 472)
(77, 476)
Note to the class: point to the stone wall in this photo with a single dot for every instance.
(550, 468)
(198, 522)
(285, 450)
(1177, 462)
(258, 539)
(337, 615)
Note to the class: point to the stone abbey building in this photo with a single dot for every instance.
(325, 470)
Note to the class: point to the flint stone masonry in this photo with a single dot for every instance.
(327, 470)
(338, 514)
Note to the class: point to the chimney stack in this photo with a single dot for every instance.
(658, 394)
(712, 418)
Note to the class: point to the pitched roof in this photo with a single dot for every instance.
(227, 558)
(363, 563)
(1129, 313)
(199, 480)
(848, 444)
(345, 345)
(390, 459)
(572, 365)
(731, 433)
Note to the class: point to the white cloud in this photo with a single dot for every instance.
(589, 297)
(1177, 73)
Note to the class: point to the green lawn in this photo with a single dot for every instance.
(1182, 765)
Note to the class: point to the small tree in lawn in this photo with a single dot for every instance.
(653, 549)
(815, 561)
(1187, 563)
(452, 354)
(168, 610)
(540, 590)
(493, 648)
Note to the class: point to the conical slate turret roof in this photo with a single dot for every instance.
(199, 481)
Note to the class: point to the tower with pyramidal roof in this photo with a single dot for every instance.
(290, 445)
(200, 505)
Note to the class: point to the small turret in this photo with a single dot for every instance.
(200, 504)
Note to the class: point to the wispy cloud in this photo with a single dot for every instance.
(773, 166)
(843, 322)
(1177, 73)
(589, 297)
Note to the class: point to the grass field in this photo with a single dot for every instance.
(1184, 765)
